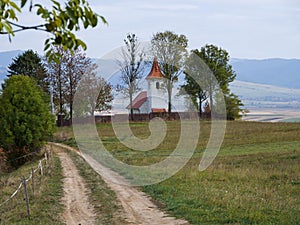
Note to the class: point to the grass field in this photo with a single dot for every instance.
(45, 205)
(255, 179)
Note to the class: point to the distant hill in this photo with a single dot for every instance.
(6, 59)
(254, 95)
(278, 72)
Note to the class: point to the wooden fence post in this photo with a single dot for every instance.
(46, 158)
(32, 174)
(26, 197)
(41, 167)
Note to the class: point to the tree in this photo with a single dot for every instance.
(26, 122)
(217, 59)
(233, 104)
(29, 63)
(170, 50)
(61, 22)
(131, 68)
(65, 75)
(105, 96)
(93, 93)
(56, 81)
(195, 81)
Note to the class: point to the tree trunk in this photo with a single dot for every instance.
(60, 97)
(200, 106)
(169, 98)
(211, 96)
(131, 108)
(71, 98)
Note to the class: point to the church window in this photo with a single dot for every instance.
(157, 85)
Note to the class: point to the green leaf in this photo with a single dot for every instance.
(23, 2)
(58, 39)
(14, 5)
(103, 19)
(81, 43)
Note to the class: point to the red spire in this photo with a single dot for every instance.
(155, 71)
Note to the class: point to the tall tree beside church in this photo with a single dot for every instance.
(170, 50)
(195, 85)
(131, 67)
(29, 63)
(217, 59)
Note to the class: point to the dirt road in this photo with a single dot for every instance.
(138, 207)
(78, 210)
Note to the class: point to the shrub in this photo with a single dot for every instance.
(25, 119)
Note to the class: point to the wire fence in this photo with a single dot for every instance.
(28, 184)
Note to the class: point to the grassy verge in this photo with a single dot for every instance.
(104, 199)
(44, 205)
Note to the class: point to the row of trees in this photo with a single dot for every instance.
(171, 51)
(61, 79)
(26, 120)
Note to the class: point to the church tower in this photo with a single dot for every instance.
(156, 92)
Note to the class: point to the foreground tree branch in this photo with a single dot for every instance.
(61, 21)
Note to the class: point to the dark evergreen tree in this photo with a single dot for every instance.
(30, 64)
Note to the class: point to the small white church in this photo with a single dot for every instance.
(154, 99)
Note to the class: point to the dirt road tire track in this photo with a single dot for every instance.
(78, 210)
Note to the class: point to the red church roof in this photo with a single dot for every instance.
(155, 71)
(140, 99)
(157, 110)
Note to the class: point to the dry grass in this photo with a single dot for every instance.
(44, 204)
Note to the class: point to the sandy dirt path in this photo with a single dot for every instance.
(78, 210)
(138, 207)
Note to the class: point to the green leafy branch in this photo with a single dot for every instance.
(60, 21)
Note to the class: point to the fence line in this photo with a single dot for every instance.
(40, 167)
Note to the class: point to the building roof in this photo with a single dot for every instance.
(139, 100)
(157, 110)
(155, 71)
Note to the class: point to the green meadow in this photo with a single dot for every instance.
(255, 179)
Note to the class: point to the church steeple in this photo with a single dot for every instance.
(156, 92)
(155, 71)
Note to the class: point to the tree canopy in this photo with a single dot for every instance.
(194, 75)
(131, 67)
(26, 122)
(29, 63)
(217, 60)
(64, 76)
(170, 50)
(60, 21)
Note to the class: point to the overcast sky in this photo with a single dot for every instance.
(245, 28)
